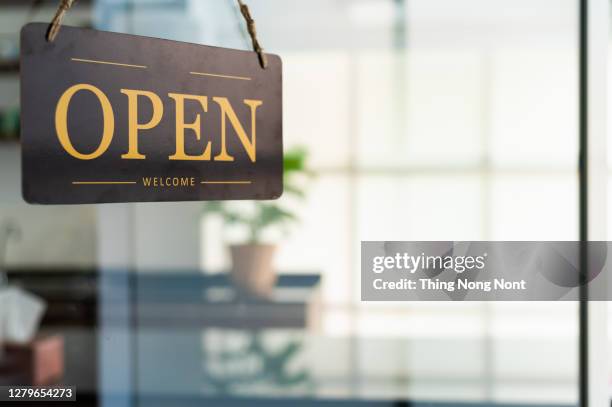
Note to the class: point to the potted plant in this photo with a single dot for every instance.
(252, 269)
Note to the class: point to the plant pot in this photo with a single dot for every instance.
(252, 270)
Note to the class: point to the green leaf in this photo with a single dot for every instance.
(213, 207)
(267, 214)
(295, 191)
(270, 214)
(294, 160)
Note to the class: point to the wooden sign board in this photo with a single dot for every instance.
(110, 117)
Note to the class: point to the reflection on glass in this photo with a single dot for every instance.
(423, 120)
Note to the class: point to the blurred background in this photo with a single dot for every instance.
(404, 120)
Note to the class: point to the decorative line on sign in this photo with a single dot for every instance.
(225, 182)
(103, 182)
(242, 78)
(93, 61)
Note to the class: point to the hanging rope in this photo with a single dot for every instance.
(65, 5)
(244, 9)
(56, 23)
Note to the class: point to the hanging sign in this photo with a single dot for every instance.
(110, 117)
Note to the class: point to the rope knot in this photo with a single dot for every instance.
(56, 23)
(250, 22)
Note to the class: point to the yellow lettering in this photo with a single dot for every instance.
(227, 111)
(134, 126)
(181, 126)
(248, 141)
(168, 182)
(61, 121)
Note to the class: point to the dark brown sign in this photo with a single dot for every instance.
(110, 117)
